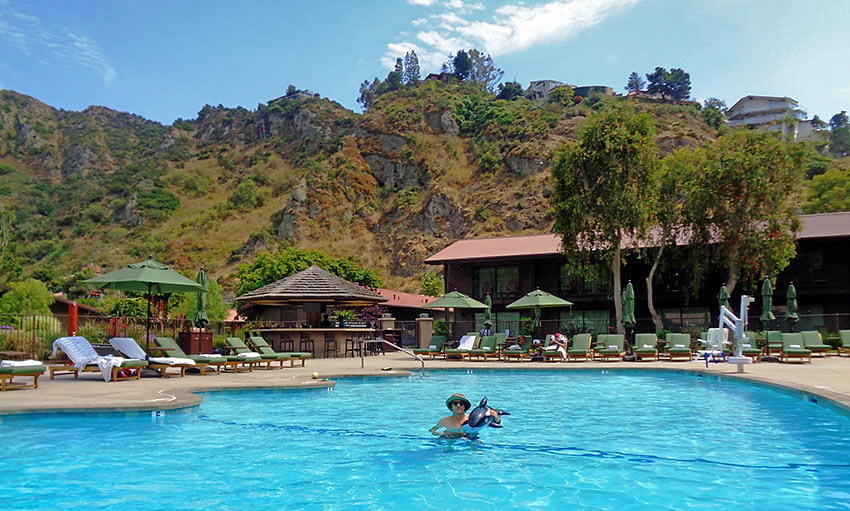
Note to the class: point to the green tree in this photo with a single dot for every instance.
(829, 192)
(745, 198)
(187, 304)
(509, 90)
(839, 120)
(635, 83)
(675, 84)
(30, 296)
(714, 112)
(600, 184)
(562, 95)
(411, 68)
(461, 65)
(267, 268)
(839, 141)
(483, 71)
(432, 284)
(368, 93)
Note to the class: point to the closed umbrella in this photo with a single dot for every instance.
(791, 315)
(201, 319)
(488, 312)
(723, 297)
(146, 277)
(766, 302)
(454, 300)
(536, 300)
(629, 306)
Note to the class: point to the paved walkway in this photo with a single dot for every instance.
(827, 377)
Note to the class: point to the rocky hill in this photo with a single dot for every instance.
(423, 167)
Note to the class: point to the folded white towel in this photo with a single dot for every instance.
(678, 345)
(487, 348)
(747, 345)
(466, 342)
(172, 361)
(647, 346)
(794, 346)
(613, 347)
(514, 347)
(19, 363)
(432, 347)
(248, 355)
(209, 355)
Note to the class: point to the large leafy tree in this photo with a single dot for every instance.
(28, 297)
(829, 192)
(635, 83)
(483, 71)
(744, 201)
(601, 186)
(461, 65)
(411, 68)
(714, 112)
(675, 84)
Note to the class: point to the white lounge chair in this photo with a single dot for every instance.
(131, 349)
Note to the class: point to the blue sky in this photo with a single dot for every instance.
(167, 59)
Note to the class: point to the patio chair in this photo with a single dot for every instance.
(467, 342)
(774, 342)
(264, 349)
(85, 359)
(813, 341)
(611, 346)
(486, 349)
(435, 347)
(9, 369)
(679, 346)
(844, 337)
(749, 348)
(171, 348)
(129, 348)
(240, 348)
(792, 347)
(646, 347)
(518, 354)
(580, 348)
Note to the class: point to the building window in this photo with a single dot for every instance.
(499, 282)
(572, 322)
(572, 284)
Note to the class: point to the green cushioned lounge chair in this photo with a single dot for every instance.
(435, 347)
(86, 360)
(844, 337)
(467, 342)
(170, 348)
(611, 346)
(646, 347)
(486, 349)
(8, 373)
(679, 346)
(518, 354)
(500, 341)
(774, 342)
(813, 341)
(551, 355)
(240, 348)
(749, 347)
(792, 347)
(264, 348)
(580, 348)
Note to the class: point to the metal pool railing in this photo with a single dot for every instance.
(388, 343)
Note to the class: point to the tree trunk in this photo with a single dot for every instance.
(656, 319)
(618, 299)
(732, 277)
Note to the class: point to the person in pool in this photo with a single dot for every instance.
(452, 426)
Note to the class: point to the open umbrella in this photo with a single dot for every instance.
(488, 312)
(536, 300)
(766, 302)
(791, 315)
(723, 297)
(201, 319)
(454, 300)
(629, 306)
(146, 277)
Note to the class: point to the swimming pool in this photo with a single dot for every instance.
(575, 440)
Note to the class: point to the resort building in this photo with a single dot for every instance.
(771, 113)
(540, 89)
(509, 267)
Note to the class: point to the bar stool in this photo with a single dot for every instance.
(307, 344)
(287, 344)
(350, 347)
(330, 345)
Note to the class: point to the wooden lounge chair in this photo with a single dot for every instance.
(263, 348)
(129, 348)
(467, 342)
(172, 349)
(774, 342)
(646, 347)
(240, 348)
(518, 354)
(792, 347)
(679, 346)
(813, 341)
(486, 349)
(435, 347)
(580, 348)
(749, 348)
(86, 360)
(20, 369)
(611, 346)
(844, 337)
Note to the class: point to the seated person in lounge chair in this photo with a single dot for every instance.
(558, 343)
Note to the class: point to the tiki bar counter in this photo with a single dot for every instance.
(295, 312)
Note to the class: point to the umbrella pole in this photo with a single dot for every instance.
(148, 325)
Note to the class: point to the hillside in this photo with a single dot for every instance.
(423, 167)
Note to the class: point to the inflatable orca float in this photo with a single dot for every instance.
(481, 417)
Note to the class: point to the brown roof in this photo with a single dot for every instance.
(406, 300)
(312, 285)
(80, 306)
(820, 225)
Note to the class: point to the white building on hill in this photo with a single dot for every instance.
(771, 113)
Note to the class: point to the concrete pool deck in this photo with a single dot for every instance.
(826, 377)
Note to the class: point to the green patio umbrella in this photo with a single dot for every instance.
(488, 312)
(723, 297)
(454, 300)
(766, 302)
(791, 314)
(537, 300)
(146, 277)
(629, 306)
(201, 319)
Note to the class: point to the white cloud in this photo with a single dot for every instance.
(53, 46)
(419, 21)
(426, 3)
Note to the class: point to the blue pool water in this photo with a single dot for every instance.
(575, 440)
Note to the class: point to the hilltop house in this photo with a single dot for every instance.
(540, 89)
(770, 113)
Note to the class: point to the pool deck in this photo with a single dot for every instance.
(827, 377)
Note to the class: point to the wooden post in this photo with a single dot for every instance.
(72, 319)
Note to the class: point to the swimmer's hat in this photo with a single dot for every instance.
(458, 397)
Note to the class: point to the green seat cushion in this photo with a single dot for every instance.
(645, 351)
(609, 350)
(275, 356)
(577, 351)
(23, 370)
(818, 347)
(298, 354)
(678, 351)
(797, 351)
(134, 363)
(207, 360)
